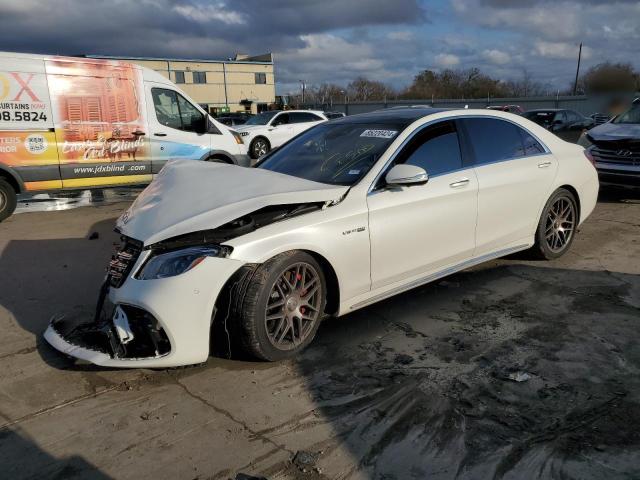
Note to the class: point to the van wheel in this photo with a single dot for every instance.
(259, 147)
(283, 306)
(8, 199)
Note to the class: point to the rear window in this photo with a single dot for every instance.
(541, 118)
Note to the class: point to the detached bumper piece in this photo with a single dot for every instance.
(130, 334)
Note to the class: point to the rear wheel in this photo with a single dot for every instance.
(259, 147)
(8, 199)
(557, 225)
(283, 306)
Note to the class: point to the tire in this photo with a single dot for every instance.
(217, 159)
(8, 199)
(288, 299)
(259, 146)
(559, 216)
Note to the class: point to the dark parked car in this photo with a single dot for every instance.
(567, 124)
(615, 147)
(332, 115)
(231, 120)
(517, 109)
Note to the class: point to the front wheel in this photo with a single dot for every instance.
(8, 199)
(259, 147)
(283, 306)
(557, 225)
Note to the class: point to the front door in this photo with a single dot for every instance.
(280, 130)
(421, 229)
(176, 127)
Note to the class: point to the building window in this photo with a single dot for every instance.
(179, 77)
(261, 78)
(199, 77)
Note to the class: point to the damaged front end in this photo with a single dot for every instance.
(119, 332)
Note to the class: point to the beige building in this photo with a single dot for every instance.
(241, 84)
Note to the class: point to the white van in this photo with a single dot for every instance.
(69, 123)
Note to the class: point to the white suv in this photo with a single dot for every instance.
(269, 130)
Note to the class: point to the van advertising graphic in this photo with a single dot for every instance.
(79, 121)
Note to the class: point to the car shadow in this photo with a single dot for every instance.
(503, 371)
(17, 444)
(46, 278)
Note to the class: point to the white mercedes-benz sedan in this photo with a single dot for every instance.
(346, 214)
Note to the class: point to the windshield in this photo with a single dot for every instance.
(338, 154)
(630, 116)
(261, 119)
(541, 118)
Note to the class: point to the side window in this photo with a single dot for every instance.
(436, 149)
(303, 117)
(561, 116)
(165, 103)
(174, 111)
(531, 145)
(179, 77)
(190, 116)
(493, 140)
(261, 78)
(281, 119)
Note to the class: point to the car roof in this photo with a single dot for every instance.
(546, 110)
(394, 116)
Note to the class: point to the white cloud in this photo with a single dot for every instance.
(401, 35)
(207, 13)
(447, 60)
(497, 57)
(561, 50)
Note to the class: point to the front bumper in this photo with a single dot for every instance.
(179, 307)
(628, 175)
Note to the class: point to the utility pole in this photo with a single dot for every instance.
(303, 88)
(575, 84)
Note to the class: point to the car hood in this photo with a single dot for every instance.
(249, 128)
(615, 131)
(188, 196)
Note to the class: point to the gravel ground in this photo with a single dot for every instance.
(513, 369)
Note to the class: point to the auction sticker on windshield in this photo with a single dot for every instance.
(379, 133)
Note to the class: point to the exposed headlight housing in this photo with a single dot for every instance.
(237, 137)
(177, 262)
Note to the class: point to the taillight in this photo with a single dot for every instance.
(588, 154)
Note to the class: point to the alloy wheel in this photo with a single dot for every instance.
(293, 306)
(260, 148)
(560, 224)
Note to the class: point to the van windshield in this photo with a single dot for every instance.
(261, 119)
(337, 154)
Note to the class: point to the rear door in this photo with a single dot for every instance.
(515, 172)
(420, 229)
(177, 127)
(27, 137)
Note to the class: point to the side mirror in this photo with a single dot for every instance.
(406, 175)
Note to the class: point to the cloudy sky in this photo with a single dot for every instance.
(337, 40)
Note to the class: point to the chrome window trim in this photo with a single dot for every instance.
(450, 118)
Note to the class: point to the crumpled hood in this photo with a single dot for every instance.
(615, 131)
(188, 196)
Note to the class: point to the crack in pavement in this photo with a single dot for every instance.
(230, 416)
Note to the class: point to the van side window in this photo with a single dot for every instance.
(174, 111)
(165, 103)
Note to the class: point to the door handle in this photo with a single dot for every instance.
(160, 134)
(460, 183)
(544, 164)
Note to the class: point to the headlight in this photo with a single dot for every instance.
(177, 262)
(237, 137)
